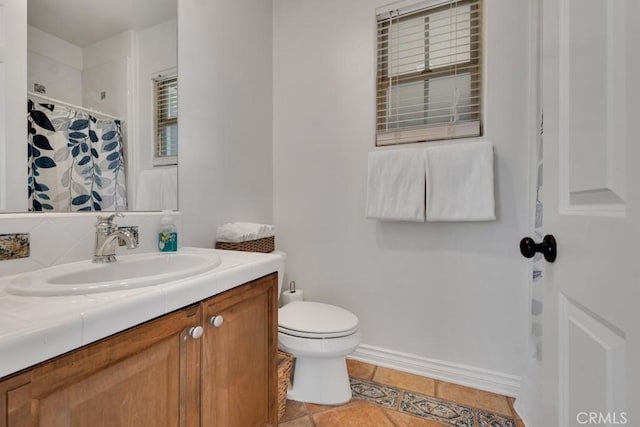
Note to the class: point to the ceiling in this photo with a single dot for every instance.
(84, 22)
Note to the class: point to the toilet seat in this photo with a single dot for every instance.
(312, 335)
(308, 319)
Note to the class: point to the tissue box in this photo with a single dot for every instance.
(264, 245)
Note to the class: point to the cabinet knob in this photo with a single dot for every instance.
(196, 332)
(216, 321)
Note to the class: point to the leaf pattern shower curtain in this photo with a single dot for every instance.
(75, 161)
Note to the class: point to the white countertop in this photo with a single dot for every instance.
(35, 329)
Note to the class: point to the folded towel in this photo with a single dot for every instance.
(460, 182)
(260, 231)
(395, 185)
(237, 232)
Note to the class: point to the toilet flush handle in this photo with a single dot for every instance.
(216, 321)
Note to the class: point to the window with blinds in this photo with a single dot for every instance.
(166, 120)
(429, 72)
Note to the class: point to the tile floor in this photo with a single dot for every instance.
(384, 397)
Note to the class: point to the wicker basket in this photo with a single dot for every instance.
(259, 245)
(285, 363)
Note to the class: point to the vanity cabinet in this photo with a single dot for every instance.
(239, 366)
(147, 375)
(211, 364)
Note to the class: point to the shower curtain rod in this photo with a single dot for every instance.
(77, 107)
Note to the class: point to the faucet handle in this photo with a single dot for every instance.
(108, 219)
(106, 225)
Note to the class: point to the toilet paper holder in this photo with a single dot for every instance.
(292, 294)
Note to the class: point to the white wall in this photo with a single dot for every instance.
(157, 52)
(76, 75)
(56, 64)
(452, 292)
(13, 100)
(106, 68)
(225, 104)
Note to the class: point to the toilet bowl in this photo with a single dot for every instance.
(319, 336)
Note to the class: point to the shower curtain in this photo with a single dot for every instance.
(75, 161)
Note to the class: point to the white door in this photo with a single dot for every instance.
(591, 103)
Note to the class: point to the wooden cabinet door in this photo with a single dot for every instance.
(145, 376)
(239, 370)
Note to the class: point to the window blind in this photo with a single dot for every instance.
(429, 72)
(166, 117)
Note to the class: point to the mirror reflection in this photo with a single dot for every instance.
(102, 105)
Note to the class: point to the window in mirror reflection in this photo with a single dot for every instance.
(166, 120)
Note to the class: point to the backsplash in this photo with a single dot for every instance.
(58, 238)
(14, 246)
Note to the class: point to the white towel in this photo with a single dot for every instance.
(395, 185)
(243, 231)
(231, 232)
(260, 231)
(460, 182)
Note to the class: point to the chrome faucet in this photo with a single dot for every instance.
(107, 235)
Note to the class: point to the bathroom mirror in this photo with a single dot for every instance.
(102, 81)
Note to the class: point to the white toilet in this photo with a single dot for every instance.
(319, 336)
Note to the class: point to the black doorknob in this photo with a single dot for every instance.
(528, 247)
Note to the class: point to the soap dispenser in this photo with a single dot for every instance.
(168, 234)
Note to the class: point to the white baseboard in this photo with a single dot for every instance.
(470, 376)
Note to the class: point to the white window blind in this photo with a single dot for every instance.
(166, 119)
(429, 72)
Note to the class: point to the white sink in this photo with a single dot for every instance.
(128, 272)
